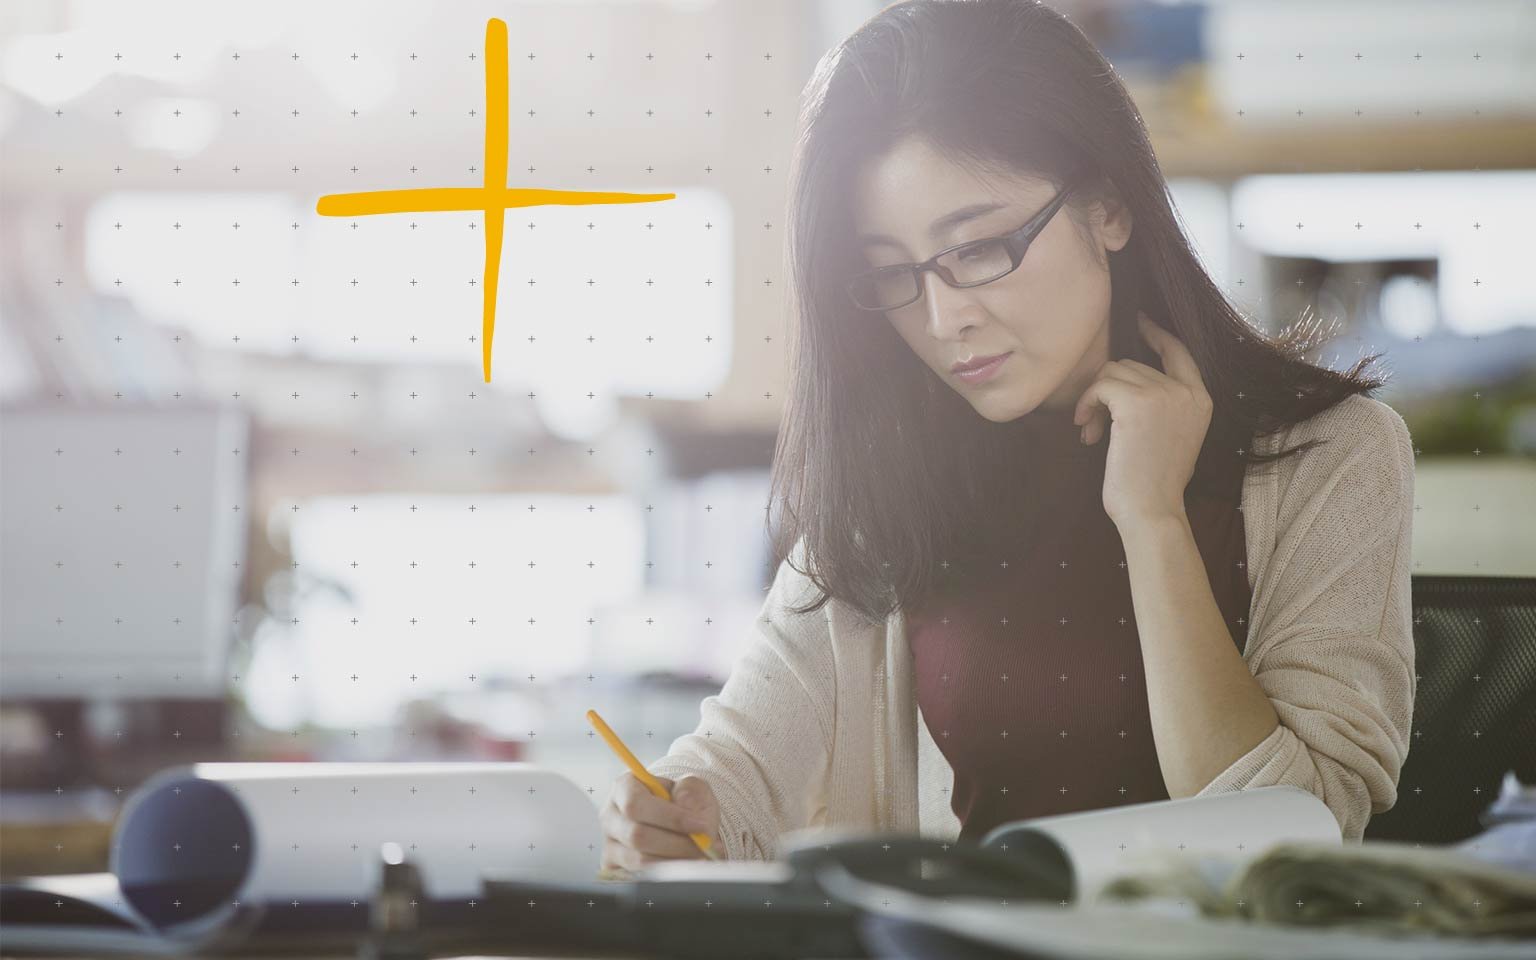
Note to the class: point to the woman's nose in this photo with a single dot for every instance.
(949, 310)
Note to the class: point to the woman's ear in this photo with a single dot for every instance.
(1115, 228)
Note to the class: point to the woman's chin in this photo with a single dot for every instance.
(1001, 407)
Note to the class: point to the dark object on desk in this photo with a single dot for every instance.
(32, 923)
(1025, 871)
(895, 938)
(394, 919)
(1474, 711)
(772, 910)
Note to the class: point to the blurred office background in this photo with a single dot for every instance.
(259, 502)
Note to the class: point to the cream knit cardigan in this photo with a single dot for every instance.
(818, 725)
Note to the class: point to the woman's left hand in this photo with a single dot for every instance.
(1159, 424)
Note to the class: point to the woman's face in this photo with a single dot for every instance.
(1050, 316)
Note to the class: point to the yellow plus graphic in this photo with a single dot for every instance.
(494, 198)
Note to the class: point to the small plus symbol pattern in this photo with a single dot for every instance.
(270, 464)
(224, 249)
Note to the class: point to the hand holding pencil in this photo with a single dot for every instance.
(650, 817)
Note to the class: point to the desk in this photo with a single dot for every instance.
(329, 957)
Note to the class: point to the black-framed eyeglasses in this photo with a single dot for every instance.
(968, 264)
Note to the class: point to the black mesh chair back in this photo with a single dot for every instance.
(1474, 713)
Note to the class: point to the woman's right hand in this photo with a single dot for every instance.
(640, 828)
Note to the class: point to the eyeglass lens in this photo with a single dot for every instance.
(888, 289)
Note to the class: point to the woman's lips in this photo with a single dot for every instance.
(985, 372)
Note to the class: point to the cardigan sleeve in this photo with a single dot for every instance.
(1334, 647)
(763, 743)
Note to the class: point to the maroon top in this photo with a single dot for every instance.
(1030, 677)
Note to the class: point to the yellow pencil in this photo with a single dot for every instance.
(701, 840)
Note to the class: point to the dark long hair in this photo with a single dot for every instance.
(881, 469)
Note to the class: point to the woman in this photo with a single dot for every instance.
(1147, 553)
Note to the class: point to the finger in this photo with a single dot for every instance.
(1143, 372)
(637, 803)
(607, 816)
(609, 859)
(625, 857)
(1177, 361)
(1097, 426)
(1151, 376)
(1097, 423)
(1097, 405)
(693, 794)
(657, 842)
(613, 825)
(1104, 393)
(627, 781)
(1086, 412)
(617, 829)
(1116, 370)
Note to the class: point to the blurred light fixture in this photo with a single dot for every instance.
(182, 127)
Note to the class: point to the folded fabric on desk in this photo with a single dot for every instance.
(900, 927)
(1375, 886)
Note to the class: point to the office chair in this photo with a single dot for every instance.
(1474, 714)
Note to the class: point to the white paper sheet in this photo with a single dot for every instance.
(1101, 844)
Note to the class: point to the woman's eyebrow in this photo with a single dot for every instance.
(942, 225)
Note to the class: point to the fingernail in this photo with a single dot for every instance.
(1082, 435)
